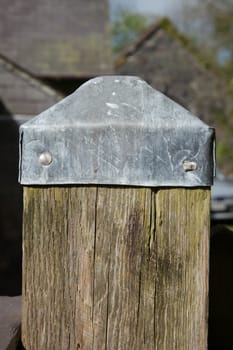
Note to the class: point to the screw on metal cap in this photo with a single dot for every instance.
(119, 131)
(45, 158)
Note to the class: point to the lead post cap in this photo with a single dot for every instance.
(117, 130)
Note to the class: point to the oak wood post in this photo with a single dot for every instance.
(116, 221)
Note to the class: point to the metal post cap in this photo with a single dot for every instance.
(116, 130)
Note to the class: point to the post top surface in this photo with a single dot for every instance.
(117, 130)
(116, 99)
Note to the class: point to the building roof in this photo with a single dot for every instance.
(57, 38)
(169, 62)
(22, 94)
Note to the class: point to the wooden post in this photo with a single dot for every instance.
(116, 256)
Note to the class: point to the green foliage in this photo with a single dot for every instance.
(214, 29)
(223, 154)
(126, 28)
(222, 15)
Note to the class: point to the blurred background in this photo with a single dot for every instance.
(182, 48)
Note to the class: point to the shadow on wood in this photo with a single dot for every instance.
(10, 207)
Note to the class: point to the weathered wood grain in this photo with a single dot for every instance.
(115, 268)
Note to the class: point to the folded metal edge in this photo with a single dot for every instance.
(36, 167)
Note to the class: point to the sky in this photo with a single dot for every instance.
(156, 7)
